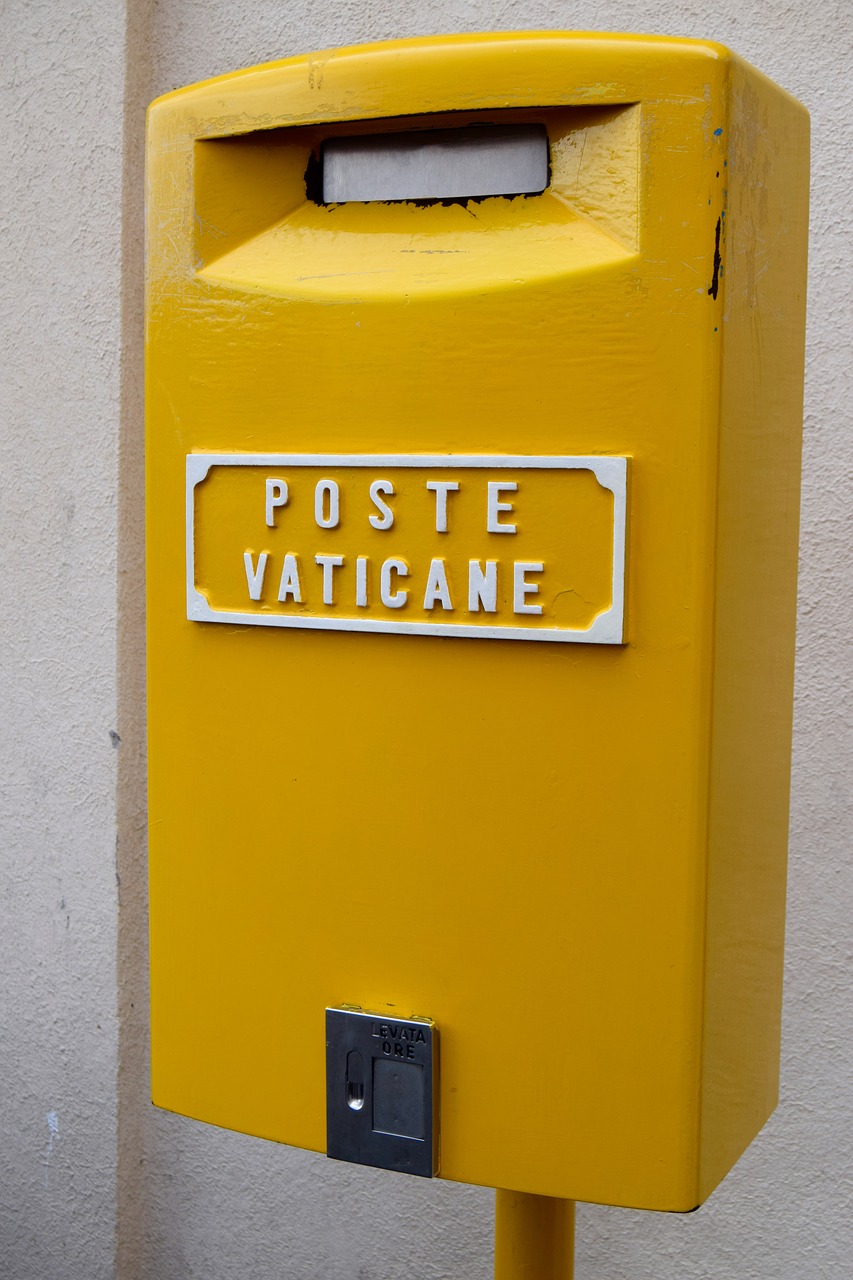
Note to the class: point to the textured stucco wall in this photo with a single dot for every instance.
(193, 1201)
(62, 91)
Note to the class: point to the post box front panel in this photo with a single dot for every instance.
(506, 838)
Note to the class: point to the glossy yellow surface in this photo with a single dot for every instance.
(570, 856)
(534, 1237)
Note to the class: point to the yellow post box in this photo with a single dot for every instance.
(474, 415)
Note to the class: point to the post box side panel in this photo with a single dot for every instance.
(762, 323)
(419, 824)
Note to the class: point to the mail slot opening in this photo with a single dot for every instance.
(436, 164)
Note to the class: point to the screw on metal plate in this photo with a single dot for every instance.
(381, 1077)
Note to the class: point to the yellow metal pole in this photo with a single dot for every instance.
(534, 1237)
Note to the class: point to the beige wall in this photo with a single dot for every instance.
(93, 1181)
(60, 373)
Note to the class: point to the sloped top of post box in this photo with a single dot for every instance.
(449, 73)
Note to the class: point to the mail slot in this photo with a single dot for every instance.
(474, 417)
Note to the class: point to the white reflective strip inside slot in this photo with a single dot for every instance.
(436, 164)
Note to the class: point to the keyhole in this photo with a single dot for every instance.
(355, 1081)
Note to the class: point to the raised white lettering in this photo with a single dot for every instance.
(361, 582)
(390, 598)
(385, 519)
(276, 497)
(521, 587)
(255, 577)
(441, 488)
(483, 586)
(437, 590)
(289, 585)
(494, 506)
(327, 504)
(329, 564)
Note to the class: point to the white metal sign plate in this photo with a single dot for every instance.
(491, 547)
